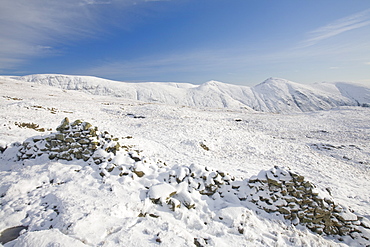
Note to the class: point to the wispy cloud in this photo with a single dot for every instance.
(154, 65)
(38, 27)
(91, 2)
(200, 65)
(337, 27)
(238, 59)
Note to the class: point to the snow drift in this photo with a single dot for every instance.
(273, 95)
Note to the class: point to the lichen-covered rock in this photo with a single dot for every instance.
(161, 193)
(64, 125)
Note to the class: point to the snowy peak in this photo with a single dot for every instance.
(273, 85)
(273, 95)
(212, 83)
(274, 81)
(279, 95)
(358, 93)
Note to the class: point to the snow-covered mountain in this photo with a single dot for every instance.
(273, 95)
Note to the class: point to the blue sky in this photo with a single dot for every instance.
(234, 41)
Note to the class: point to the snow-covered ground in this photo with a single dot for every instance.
(70, 203)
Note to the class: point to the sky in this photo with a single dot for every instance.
(240, 42)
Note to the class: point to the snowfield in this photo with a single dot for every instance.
(173, 164)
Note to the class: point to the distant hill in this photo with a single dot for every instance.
(273, 95)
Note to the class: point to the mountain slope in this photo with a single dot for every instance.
(273, 95)
(278, 95)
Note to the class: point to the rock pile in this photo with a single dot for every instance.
(299, 201)
(205, 181)
(277, 191)
(181, 184)
(77, 140)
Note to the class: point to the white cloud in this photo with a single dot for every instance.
(337, 27)
(34, 27)
(95, 2)
(28, 26)
(159, 64)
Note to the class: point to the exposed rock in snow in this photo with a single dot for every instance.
(279, 190)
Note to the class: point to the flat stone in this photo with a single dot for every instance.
(331, 230)
(139, 173)
(65, 156)
(338, 209)
(37, 138)
(298, 178)
(64, 125)
(78, 155)
(310, 215)
(59, 136)
(52, 155)
(86, 125)
(54, 143)
(11, 234)
(300, 214)
(69, 139)
(76, 134)
(84, 141)
(76, 122)
(85, 157)
(346, 216)
(284, 210)
(49, 138)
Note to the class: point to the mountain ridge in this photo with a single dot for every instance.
(274, 95)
